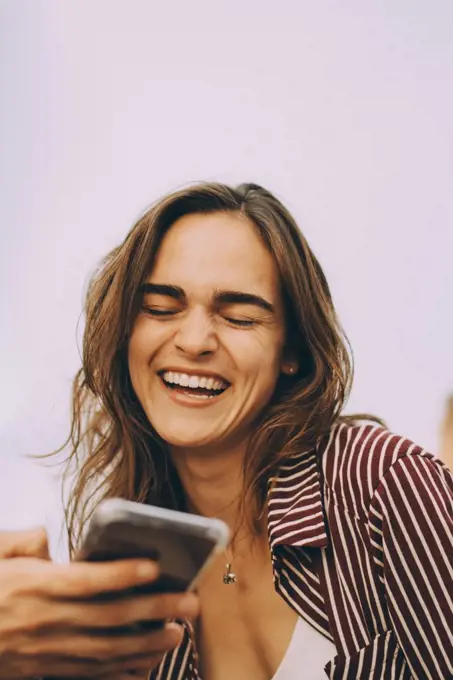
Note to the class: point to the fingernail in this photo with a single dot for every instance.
(176, 631)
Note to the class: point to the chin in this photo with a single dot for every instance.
(186, 436)
(191, 443)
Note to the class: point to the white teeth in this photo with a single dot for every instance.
(194, 381)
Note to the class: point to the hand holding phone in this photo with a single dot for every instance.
(56, 621)
(182, 544)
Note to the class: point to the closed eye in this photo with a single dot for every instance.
(243, 323)
(160, 312)
(166, 313)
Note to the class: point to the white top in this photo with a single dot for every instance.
(307, 654)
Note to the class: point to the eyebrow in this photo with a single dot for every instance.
(220, 297)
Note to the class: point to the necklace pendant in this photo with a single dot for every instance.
(229, 577)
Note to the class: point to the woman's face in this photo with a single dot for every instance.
(207, 346)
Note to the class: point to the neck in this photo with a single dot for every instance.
(214, 487)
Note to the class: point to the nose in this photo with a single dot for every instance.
(196, 334)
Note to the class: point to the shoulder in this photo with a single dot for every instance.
(411, 541)
(357, 458)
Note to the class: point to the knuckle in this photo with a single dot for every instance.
(40, 542)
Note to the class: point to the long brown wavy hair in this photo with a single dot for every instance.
(113, 449)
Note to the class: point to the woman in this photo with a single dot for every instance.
(214, 376)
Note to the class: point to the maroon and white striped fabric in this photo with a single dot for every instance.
(361, 538)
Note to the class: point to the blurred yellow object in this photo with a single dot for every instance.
(446, 442)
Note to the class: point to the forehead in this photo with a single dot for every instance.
(216, 251)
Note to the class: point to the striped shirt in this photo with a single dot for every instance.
(361, 539)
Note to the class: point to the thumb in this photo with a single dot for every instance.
(28, 543)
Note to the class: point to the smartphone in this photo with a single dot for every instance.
(183, 544)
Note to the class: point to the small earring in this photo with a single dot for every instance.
(291, 369)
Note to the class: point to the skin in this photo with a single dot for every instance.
(203, 256)
(45, 608)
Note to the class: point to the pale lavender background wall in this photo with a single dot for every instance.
(344, 109)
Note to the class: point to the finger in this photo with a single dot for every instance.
(61, 666)
(83, 580)
(138, 669)
(122, 649)
(131, 675)
(64, 667)
(28, 543)
(119, 613)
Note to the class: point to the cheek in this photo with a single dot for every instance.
(134, 364)
(136, 352)
(142, 346)
(258, 358)
(260, 350)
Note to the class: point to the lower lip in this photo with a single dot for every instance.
(179, 396)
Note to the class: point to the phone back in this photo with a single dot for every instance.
(181, 543)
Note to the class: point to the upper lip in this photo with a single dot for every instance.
(195, 371)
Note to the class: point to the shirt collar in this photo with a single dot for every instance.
(295, 504)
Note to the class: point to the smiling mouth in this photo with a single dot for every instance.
(197, 387)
